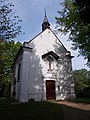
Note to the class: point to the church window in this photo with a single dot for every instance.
(19, 72)
(50, 63)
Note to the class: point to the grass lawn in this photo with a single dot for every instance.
(30, 111)
(81, 100)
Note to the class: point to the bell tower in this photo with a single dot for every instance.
(45, 23)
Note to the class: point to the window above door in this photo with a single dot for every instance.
(50, 58)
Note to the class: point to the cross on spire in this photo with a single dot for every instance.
(45, 12)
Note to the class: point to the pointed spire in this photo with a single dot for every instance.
(45, 23)
(45, 18)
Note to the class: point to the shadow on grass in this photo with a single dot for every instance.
(40, 111)
(30, 111)
(71, 113)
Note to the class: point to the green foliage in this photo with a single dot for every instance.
(9, 29)
(8, 51)
(9, 23)
(79, 33)
(82, 82)
(84, 10)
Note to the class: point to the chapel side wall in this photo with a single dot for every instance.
(15, 84)
(25, 76)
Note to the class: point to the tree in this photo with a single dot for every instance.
(84, 10)
(82, 82)
(9, 50)
(1, 66)
(9, 29)
(9, 23)
(79, 32)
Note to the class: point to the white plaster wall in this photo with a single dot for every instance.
(35, 80)
(34, 74)
(25, 76)
(42, 44)
(65, 81)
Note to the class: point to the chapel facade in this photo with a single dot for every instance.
(42, 69)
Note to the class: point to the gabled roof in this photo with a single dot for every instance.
(33, 38)
(41, 33)
(51, 53)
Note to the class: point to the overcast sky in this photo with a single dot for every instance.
(32, 14)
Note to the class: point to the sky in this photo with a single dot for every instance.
(31, 12)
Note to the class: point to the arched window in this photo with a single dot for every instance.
(19, 72)
(50, 63)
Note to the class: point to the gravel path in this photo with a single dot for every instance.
(75, 111)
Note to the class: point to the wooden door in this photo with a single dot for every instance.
(50, 90)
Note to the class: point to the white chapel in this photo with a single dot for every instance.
(42, 69)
